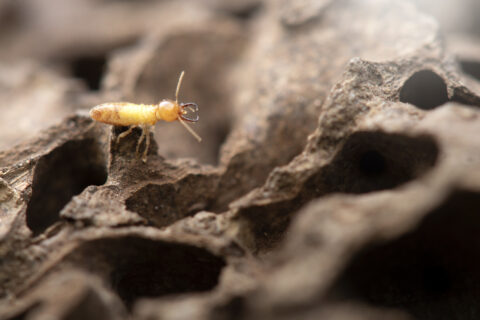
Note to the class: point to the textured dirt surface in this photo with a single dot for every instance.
(338, 177)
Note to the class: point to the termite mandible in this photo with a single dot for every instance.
(146, 115)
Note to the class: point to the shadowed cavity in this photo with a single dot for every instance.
(368, 161)
(64, 172)
(138, 267)
(424, 89)
(433, 272)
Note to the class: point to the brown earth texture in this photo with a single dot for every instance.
(338, 176)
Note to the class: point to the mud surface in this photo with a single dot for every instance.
(338, 176)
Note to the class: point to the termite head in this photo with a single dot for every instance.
(169, 110)
(188, 112)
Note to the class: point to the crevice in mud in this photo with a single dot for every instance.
(373, 161)
(63, 173)
(221, 132)
(433, 272)
(424, 89)
(460, 95)
(90, 69)
(471, 67)
(167, 203)
(137, 267)
(368, 161)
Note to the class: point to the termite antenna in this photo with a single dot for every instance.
(190, 130)
(178, 86)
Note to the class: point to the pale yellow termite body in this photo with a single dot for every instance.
(145, 116)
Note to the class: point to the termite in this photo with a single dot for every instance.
(146, 115)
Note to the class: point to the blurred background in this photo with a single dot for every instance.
(58, 57)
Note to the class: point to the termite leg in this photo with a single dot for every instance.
(90, 126)
(139, 142)
(125, 133)
(147, 143)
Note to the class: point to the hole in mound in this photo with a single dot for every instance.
(425, 90)
(59, 175)
(471, 68)
(372, 161)
(138, 267)
(432, 272)
(368, 161)
(164, 204)
(90, 69)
